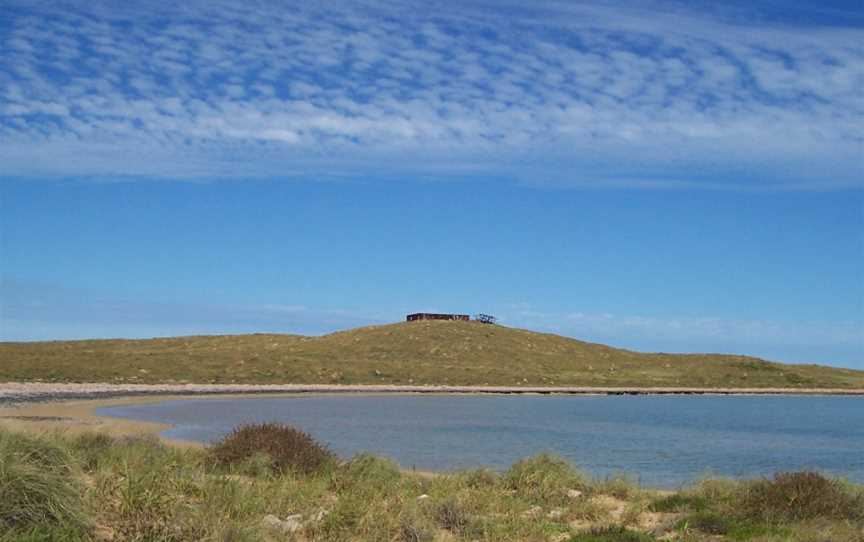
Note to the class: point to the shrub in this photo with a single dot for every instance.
(542, 477)
(797, 496)
(37, 484)
(289, 448)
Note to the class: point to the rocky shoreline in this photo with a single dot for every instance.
(30, 392)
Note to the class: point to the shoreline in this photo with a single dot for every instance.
(38, 392)
(79, 416)
(76, 415)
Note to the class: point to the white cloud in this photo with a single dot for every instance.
(387, 88)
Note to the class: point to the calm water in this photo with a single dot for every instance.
(662, 441)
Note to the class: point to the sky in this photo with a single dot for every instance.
(660, 176)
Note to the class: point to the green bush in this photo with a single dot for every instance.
(37, 484)
(289, 448)
(799, 496)
(543, 478)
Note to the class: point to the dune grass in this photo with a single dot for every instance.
(454, 353)
(94, 487)
(39, 486)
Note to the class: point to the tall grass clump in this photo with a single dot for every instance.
(619, 486)
(367, 473)
(38, 487)
(288, 448)
(799, 496)
(543, 478)
(90, 448)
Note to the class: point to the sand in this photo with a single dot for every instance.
(76, 417)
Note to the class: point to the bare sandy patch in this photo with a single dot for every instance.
(77, 417)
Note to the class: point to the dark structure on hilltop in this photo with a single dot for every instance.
(432, 316)
(485, 318)
(482, 318)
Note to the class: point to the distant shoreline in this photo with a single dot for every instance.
(27, 392)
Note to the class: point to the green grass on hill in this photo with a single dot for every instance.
(451, 353)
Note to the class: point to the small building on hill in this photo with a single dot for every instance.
(433, 316)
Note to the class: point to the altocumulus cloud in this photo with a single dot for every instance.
(194, 90)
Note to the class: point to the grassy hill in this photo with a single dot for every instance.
(455, 353)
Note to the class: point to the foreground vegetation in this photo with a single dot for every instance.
(454, 353)
(270, 482)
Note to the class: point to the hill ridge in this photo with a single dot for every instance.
(415, 353)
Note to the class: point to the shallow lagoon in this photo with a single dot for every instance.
(662, 441)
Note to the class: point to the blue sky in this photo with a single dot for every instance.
(661, 176)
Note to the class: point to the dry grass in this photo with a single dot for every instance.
(455, 353)
(37, 486)
(134, 489)
(798, 496)
(543, 478)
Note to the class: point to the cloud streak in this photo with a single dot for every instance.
(32, 310)
(792, 341)
(623, 97)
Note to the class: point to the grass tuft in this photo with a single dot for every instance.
(369, 473)
(679, 502)
(619, 486)
(37, 484)
(797, 496)
(46, 533)
(90, 448)
(612, 534)
(543, 478)
(479, 478)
